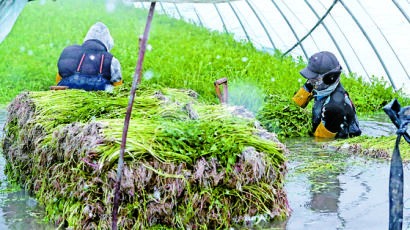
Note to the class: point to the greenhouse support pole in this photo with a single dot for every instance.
(401, 10)
(331, 36)
(385, 38)
(347, 40)
(179, 13)
(300, 22)
(222, 20)
(163, 9)
(314, 27)
(291, 28)
(263, 25)
(136, 80)
(240, 22)
(371, 44)
(220, 16)
(199, 18)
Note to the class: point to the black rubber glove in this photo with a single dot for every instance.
(308, 86)
(333, 117)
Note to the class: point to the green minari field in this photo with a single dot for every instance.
(182, 56)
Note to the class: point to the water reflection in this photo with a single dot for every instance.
(18, 210)
(332, 190)
(313, 185)
(326, 190)
(376, 125)
(325, 199)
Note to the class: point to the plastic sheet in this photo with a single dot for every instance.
(368, 38)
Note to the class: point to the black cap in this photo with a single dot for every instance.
(319, 64)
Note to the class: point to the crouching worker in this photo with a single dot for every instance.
(90, 66)
(333, 114)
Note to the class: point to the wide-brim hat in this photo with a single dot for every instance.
(320, 64)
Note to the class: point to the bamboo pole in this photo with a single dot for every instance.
(135, 83)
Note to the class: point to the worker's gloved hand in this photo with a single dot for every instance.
(304, 95)
(333, 117)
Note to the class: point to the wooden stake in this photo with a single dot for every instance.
(135, 82)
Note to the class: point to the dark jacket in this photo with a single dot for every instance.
(95, 53)
(90, 66)
(343, 110)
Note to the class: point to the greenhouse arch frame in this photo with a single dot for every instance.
(365, 42)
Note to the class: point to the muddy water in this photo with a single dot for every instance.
(17, 209)
(326, 189)
(331, 190)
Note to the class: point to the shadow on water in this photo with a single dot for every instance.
(332, 190)
(17, 209)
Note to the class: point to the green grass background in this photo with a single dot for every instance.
(182, 56)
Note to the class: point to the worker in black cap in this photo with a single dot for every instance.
(333, 113)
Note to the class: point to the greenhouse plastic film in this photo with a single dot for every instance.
(368, 38)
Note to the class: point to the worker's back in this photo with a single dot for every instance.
(90, 66)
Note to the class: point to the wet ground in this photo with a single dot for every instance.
(330, 190)
(18, 210)
(326, 189)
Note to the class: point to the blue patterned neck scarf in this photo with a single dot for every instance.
(319, 94)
